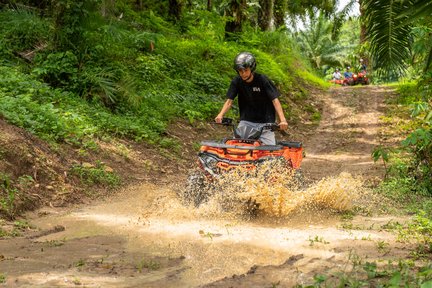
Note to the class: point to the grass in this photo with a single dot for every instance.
(148, 264)
(317, 239)
(17, 228)
(80, 263)
(98, 174)
(398, 273)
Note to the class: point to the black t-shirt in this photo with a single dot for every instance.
(255, 98)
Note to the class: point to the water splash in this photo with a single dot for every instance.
(276, 191)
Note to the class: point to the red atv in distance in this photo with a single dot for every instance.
(356, 78)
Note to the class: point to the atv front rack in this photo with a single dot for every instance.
(281, 145)
(215, 157)
(228, 146)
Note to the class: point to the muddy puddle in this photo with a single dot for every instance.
(146, 237)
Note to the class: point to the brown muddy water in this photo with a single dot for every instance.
(201, 244)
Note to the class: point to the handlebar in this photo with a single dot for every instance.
(271, 126)
(227, 121)
(274, 127)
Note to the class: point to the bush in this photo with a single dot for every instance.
(22, 30)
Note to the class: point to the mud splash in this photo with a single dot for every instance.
(191, 246)
(275, 191)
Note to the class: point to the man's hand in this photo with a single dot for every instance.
(227, 105)
(218, 119)
(283, 125)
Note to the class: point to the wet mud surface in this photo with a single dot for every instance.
(145, 236)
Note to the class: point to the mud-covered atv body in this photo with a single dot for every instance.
(243, 151)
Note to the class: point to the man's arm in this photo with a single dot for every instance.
(227, 105)
(283, 125)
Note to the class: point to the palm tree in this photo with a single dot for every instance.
(388, 27)
(318, 45)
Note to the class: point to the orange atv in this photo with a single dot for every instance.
(243, 151)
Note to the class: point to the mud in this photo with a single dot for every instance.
(145, 237)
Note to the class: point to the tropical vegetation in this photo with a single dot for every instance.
(75, 71)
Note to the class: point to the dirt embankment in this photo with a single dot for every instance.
(145, 237)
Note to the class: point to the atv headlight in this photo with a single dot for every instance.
(209, 162)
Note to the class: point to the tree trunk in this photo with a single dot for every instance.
(235, 12)
(175, 8)
(363, 35)
(279, 11)
(362, 25)
(107, 6)
(265, 14)
(139, 5)
(209, 5)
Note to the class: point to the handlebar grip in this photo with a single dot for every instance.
(227, 121)
(275, 127)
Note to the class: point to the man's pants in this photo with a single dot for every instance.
(267, 137)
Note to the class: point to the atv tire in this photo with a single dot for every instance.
(197, 190)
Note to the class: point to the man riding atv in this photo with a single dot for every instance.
(253, 148)
(257, 98)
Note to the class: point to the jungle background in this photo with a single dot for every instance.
(101, 94)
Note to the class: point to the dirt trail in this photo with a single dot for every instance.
(144, 237)
(347, 134)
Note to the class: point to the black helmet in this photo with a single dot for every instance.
(244, 60)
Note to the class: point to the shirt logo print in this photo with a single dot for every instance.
(256, 89)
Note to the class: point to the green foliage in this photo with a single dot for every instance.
(409, 166)
(381, 153)
(118, 71)
(419, 141)
(398, 34)
(371, 274)
(389, 39)
(8, 194)
(407, 93)
(22, 30)
(98, 174)
(57, 69)
(18, 227)
(205, 25)
(72, 19)
(60, 116)
(170, 143)
(148, 264)
(324, 50)
(420, 229)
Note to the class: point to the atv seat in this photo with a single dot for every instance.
(290, 144)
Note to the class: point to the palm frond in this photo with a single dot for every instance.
(419, 9)
(389, 40)
(339, 18)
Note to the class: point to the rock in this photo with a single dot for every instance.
(108, 169)
(87, 165)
